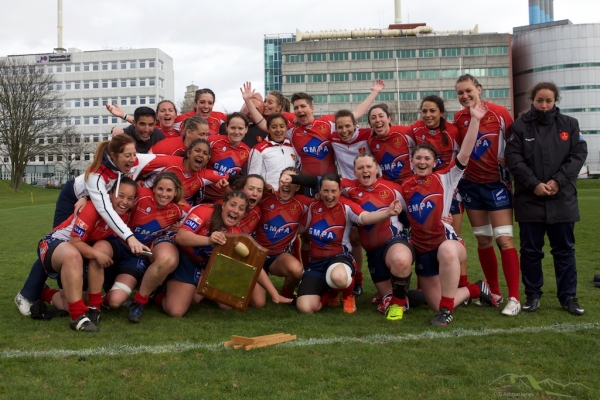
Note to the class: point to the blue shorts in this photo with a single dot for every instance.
(318, 268)
(427, 264)
(131, 264)
(456, 207)
(376, 259)
(187, 271)
(486, 196)
(168, 237)
(270, 260)
(46, 248)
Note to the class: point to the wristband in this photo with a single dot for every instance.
(124, 117)
(262, 119)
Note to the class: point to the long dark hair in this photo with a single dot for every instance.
(439, 102)
(216, 219)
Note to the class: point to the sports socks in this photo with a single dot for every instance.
(510, 267)
(286, 292)
(489, 265)
(447, 302)
(77, 309)
(358, 278)
(141, 300)
(47, 293)
(95, 300)
(399, 289)
(463, 281)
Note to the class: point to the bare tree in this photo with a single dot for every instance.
(30, 110)
(185, 105)
(69, 149)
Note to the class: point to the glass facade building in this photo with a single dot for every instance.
(273, 59)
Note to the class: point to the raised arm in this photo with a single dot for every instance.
(118, 112)
(257, 117)
(363, 107)
(470, 138)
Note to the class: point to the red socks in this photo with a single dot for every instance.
(510, 267)
(463, 281)
(474, 291)
(142, 300)
(285, 292)
(158, 298)
(47, 293)
(447, 302)
(95, 300)
(77, 309)
(489, 265)
(396, 300)
(348, 291)
(358, 278)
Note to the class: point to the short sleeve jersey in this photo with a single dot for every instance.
(171, 146)
(215, 119)
(225, 159)
(312, 144)
(149, 220)
(427, 200)
(198, 222)
(392, 152)
(280, 221)
(435, 137)
(375, 198)
(329, 228)
(249, 223)
(483, 166)
(345, 153)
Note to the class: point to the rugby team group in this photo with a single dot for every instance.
(317, 192)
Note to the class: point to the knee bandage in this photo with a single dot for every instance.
(504, 230)
(121, 286)
(485, 230)
(328, 275)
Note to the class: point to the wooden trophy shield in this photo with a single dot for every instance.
(232, 271)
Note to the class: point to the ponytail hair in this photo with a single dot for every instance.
(115, 146)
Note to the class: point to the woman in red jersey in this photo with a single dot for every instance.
(486, 192)
(204, 101)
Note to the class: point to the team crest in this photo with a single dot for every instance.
(195, 185)
(243, 155)
(397, 142)
(384, 194)
(362, 150)
(336, 212)
(488, 120)
(294, 209)
(213, 125)
(322, 129)
(564, 136)
(171, 213)
(293, 157)
(427, 181)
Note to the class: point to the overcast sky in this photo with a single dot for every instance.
(219, 44)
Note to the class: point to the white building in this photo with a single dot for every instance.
(88, 80)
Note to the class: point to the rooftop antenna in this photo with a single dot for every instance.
(60, 49)
(398, 12)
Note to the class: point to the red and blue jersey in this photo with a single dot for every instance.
(435, 137)
(249, 223)
(149, 220)
(375, 198)
(225, 159)
(312, 144)
(484, 166)
(169, 133)
(198, 222)
(329, 228)
(280, 221)
(215, 119)
(393, 152)
(171, 146)
(427, 200)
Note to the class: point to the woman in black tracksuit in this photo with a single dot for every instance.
(545, 152)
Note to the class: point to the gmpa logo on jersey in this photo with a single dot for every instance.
(227, 165)
(277, 228)
(322, 233)
(483, 143)
(368, 206)
(420, 207)
(316, 148)
(392, 166)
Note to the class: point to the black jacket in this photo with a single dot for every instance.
(540, 147)
(140, 145)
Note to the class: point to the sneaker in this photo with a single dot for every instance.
(442, 318)
(334, 300)
(83, 324)
(573, 306)
(394, 312)
(349, 304)
(135, 312)
(531, 305)
(486, 298)
(376, 299)
(498, 297)
(94, 315)
(384, 303)
(513, 307)
(358, 290)
(23, 304)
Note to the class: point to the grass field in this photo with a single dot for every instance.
(481, 355)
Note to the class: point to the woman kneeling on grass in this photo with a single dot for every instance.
(61, 253)
(328, 222)
(439, 251)
(204, 226)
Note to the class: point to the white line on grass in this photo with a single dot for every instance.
(119, 350)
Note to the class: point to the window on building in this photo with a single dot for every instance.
(151, 82)
(429, 74)
(449, 94)
(132, 82)
(114, 120)
(59, 86)
(429, 93)
(77, 121)
(142, 63)
(142, 100)
(475, 71)
(496, 93)
(339, 98)
(96, 120)
(361, 76)
(86, 156)
(359, 97)
(95, 67)
(151, 64)
(319, 98)
(67, 85)
(294, 79)
(86, 84)
(67, 68)
(497, 50)
(86, 120)
(361, 55)
(86, 67)
(86, 102)
(343, 56)
(113, 83)
(294, 58)
(314, 78)
(104, 66)
(49, 70)
(77, 67)
(132, 64)
(407, 74)
(339, 77)
(96, 139)
(68, 104)
(408, 95)
(68, 122)
(161, 83)
(59, 68)
(474, 51)
(132, 101)
(50, 157)
(452, 52)
(96, 102)
(428, 53)
(41, 159)
(316, 57)
(142, 81)
(450, 73)
(113, 65)
(77, 85)
(385, 75)
(152, 100)
(123, 64)
(104, 84)
(95, 84)
(123, 101)
(104, 120)
(385, 96)
(123, 83)
(161, 65)
(383, 54)
(498, 72)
